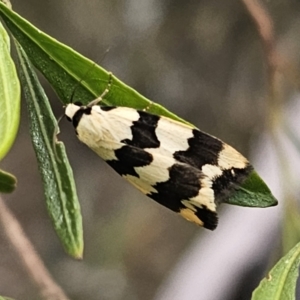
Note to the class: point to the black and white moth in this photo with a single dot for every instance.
(178, 166)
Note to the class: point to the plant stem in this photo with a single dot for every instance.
(48, 288)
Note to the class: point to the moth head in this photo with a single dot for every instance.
(71, 109)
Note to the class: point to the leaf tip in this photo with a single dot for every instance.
(8, 182)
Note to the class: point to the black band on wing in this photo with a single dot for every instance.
(203, 149)
(225, 184)
(78, 115)
(208, 217)
(128, 158)
(143, 131)
(184, 183)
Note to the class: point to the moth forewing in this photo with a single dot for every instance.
(180, 167)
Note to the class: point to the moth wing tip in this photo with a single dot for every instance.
(202, 217)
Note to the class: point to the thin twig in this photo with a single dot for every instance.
(48, 288)
(274, 62)
(265, 29)
(277, 66)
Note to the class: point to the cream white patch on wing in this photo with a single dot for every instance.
(205, 196)
(211, 171)
(116, 123)
(157, 170)
(229, 158)
(168, 133)
(140, 184)
(104, 152)
(189, 215)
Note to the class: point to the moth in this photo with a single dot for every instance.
(178, 166)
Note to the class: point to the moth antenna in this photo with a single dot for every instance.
(54, 138)
(105, 53)
(86, 73)
(104, 93)
(80, 81)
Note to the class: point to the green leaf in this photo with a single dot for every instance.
(65, 69)
(9, 96)
(280, 283)
(256, 193)
(291, 223)
(57, 175)
(8, 182)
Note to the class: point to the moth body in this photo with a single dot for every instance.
(178, 166)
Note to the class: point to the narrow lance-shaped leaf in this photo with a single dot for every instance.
(9, 96)
(281, 281)
(64, 68)
(57, 175)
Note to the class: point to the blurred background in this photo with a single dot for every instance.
(206, 61)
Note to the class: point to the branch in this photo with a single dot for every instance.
(48, 288)
(275, 63)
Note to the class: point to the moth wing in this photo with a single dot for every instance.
(223, 168)
(185, 143)
(178, 166)
(178, 186)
